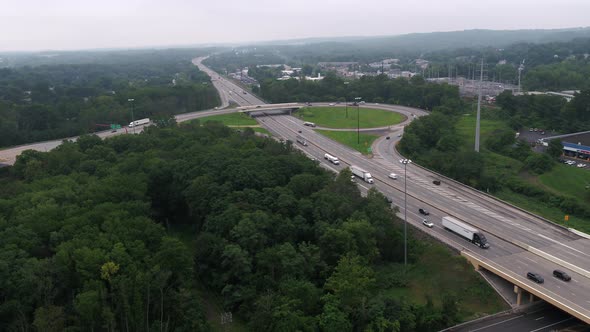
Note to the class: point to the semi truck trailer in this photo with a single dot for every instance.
(468, 232)
(361, 173)
(139, 122)
(301, 140)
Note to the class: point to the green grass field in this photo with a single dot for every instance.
(569, 180)
(439, 271)
(261, 130)
(349, 138)
(231, 119)
(466, 128)
(335, 117)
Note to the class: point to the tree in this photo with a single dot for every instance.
(555, 148)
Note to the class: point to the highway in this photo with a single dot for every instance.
(520, 242)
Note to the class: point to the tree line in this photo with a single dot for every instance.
(63, 100)
(88, 239)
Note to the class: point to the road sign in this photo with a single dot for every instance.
(567, 217)
(115, 126)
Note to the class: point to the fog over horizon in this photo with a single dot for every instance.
(76, 25)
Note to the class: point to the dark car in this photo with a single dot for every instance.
(424, 212)
(561, 275)
(387, 137)
(299, 131)
(388, 200)
(535, 277)
(437, 182)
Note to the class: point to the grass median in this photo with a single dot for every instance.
(349, 138)
(231, 119)
(339, 117)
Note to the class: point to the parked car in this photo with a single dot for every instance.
(559, 274)
(581, 165)
(427, 223)
(423, 211)
(393, 176)
(535, 277)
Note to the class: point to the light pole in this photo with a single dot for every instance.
(132, 109)
(346, 97)
(358, 121)
(405, 162)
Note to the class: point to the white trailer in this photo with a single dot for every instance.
(361, 173)
(468, 232)
(332, 159)
(139, 122)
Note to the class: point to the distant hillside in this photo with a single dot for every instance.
(425, 42)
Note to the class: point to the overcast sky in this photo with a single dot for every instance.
(84, 24)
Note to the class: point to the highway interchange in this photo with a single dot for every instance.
(520, 242)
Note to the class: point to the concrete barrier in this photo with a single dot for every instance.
(559, 261)
(577, 232)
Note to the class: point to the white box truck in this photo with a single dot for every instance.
(361, 173)
(139, 122)
(332, 159)
(468, 232)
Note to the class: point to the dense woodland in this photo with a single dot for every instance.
(62, 100)
(88, 239)
(414, 92)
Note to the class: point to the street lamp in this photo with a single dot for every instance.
(346, 97)
(358, 135)
(132, 101)
(405, 162)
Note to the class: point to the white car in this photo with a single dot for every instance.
(393, 176)
(332, 104)
(581, 165)
(427, 223)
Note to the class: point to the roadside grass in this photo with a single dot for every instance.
(231, 119)
(466, 129)
(261, 130)
(349, 138)
(541, 208)
(563, 180)
(568, 180)
(436, 272)
(335, 117)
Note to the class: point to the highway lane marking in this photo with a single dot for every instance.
(540, 318)
(546, 326)
(574, 249)
(498, 323)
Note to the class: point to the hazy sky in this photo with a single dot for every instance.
(83, 24)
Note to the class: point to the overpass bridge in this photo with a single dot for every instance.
(270, 109)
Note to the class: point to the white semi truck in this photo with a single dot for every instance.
(361, 173)
(139, 122)
(470, 233)
(332, 159)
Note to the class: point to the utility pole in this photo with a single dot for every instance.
(132, 100)
(405, 162)
(358, 121)
(346, 97)
(478, 109)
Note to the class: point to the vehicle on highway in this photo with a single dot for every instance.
(387, 137)
(535, 277)
(332, 104)
(388, 199)
(361, 173)
(436, 182)
(332, 159)
(244, 92)
(423, 211)
(399, 135)
(392, 176)
(299, 131)
(466, 231)
(427, 223)
(559, 274)
(309, 124)
(139, 122)
(301, 140)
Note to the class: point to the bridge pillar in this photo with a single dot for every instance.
(518, 292)
(531, 298)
